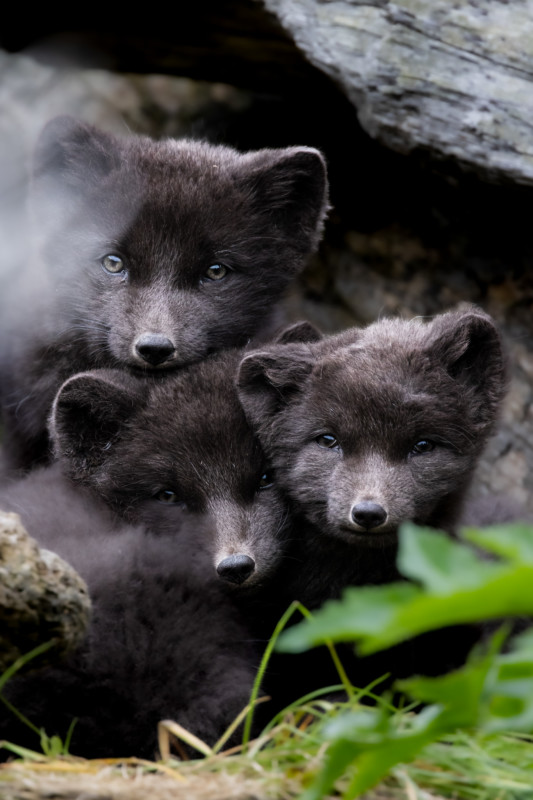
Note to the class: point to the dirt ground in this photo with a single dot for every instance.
(66, 782)
(33, 783)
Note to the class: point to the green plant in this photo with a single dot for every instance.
(51, 746)
(450, 583)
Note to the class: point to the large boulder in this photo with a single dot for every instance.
(455, 78)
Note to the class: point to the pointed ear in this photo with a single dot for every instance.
(73, 152)
(88, 414)
(291, 186)
(70, 157)
(468, 345)
(267, 381)
(298, 332)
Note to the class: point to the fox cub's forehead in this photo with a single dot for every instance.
(196, 414)
(361, 391)
(359, 408)
(359, 372)
(184, 161)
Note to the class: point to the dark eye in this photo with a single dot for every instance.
(327, 440)
(216, 272)
(266, 481)
(169, 497)
(113, 264)
(423, 446)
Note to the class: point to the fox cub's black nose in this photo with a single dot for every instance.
(154, 348)
(236, 568)
(368, 514)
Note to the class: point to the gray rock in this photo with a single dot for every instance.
(42, 598)
(455, 78)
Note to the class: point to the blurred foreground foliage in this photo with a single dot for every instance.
(449, 582)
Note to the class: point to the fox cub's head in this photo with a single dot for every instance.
(174, 454)
(373, 427)
(163, 251)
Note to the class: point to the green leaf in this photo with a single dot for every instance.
(507, 702)
(371, 742)
(377, 617)
(359, 614)
(373, 763)
(52, 746)
(22, 752)
(512, 541)
(440, 564)
(458, 693)
(492, 692)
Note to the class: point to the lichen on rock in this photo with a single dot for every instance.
(42, 598)
(453, 78)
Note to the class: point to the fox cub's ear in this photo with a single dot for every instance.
(468, 345)
(298, 332)
(72, 153)
(88, 413)
(290, 187)
(268, 379)
(70, 159)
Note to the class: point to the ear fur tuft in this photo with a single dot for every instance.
(292, 185)
(298, 332)
(71, 153)
(268, 379)
(467, 343)
(87, 415)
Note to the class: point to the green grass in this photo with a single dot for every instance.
(465, 765)
(473, 738)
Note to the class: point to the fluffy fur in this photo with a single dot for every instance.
(367, 429)
(158, 487)
(165, 642)
(148, 256)
(166, 453)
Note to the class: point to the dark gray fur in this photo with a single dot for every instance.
(170, 210)
(165, 641)
(127, 439)
(168, 638)
(379, 391)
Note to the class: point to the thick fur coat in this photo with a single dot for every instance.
(367, 429)
(161, 500)
(146, 256)
(164, 642)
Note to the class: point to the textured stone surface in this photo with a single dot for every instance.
(41, 596)
(454, 77)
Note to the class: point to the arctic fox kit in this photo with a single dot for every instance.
(372, 427)
(364, 430)
(148, 255)
(161, 499)
(170, 455)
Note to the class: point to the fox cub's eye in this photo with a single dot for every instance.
(266, 481)
(423, 446)
(113, 264)
(169, 497)
(216, 272)
(327, 440)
